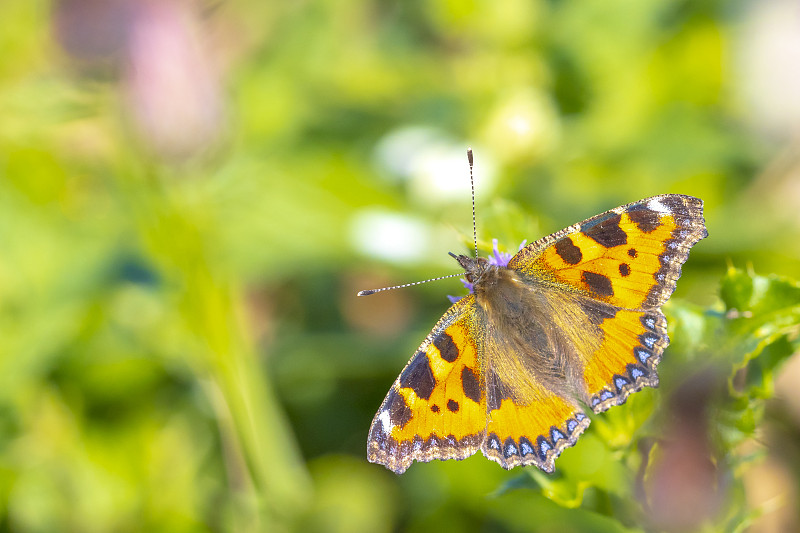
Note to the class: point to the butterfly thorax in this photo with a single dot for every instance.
(528, 333)
(490, 281)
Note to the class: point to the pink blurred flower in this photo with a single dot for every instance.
(173, 94)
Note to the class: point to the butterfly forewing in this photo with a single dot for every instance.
(629, 257)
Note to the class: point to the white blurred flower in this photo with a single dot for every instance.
(769, 59)
(524, 125)
(434, 165)
(390, 237)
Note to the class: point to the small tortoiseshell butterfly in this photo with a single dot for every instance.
(571, 321)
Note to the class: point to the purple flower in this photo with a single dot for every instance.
(497, 258)
(502, 258)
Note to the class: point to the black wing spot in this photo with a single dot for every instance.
(645, 219)
(471, 385)
(598, 283)
(608, 233)
(418, 376)
(452, 405)
(624, 270)
(435, 408)
(567, 251)
(399, 412)
(447, 348)
(632, 252)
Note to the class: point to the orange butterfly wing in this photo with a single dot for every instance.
(625, 263)
(436, 409)
(629, 257)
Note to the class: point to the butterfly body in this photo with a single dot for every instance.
(571, 322)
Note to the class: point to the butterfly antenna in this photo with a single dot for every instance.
(373, 291)
(474, 238)
(472, 185)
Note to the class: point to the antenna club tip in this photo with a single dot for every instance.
(469, 155)
(365, 293)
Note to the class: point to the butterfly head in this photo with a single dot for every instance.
(477, 269)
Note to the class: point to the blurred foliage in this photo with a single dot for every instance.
(192, 192)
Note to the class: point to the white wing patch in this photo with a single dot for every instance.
(658, 207)
(386, 422)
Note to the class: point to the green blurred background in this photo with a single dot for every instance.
(191, 194)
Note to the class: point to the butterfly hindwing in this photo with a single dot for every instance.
(625, 360)
(436, 407)
(531, 432)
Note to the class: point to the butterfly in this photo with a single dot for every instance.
(571, 322)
